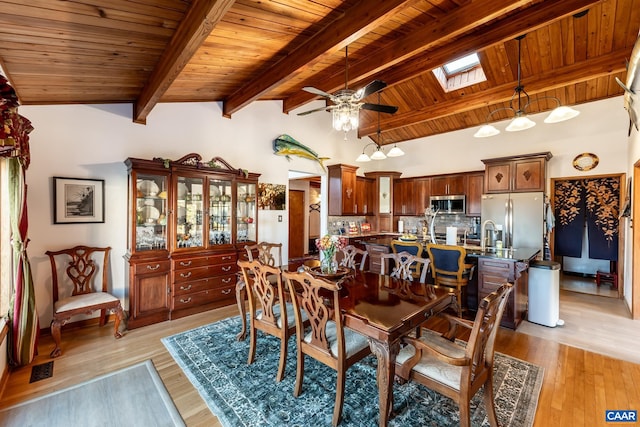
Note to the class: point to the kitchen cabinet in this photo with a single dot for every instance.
(444, 185)
(342, 189)
(382, 220)
(492, 273)
(411, 196)
(365, 194)
(475, 188)
(187, 222)
(516, 173)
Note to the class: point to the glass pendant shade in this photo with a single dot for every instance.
(345, 117)
(486, 131)
(395, 152)
(520, 123)
(363, 158)
(378, 155)
(560, 114)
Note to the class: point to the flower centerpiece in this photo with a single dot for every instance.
(329, 245)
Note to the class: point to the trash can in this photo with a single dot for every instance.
(544, 293)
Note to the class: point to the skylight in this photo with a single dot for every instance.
(461, 64)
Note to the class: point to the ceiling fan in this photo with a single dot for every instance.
(347, 102)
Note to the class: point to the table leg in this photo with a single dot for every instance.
(241, 293)
(386, 353)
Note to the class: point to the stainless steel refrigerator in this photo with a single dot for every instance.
(521, 216)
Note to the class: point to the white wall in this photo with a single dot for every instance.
(92, 141)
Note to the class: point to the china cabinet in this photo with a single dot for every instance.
(187, 222)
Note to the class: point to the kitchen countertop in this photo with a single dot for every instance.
(520, 254)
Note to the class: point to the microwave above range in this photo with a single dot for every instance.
(453, 204)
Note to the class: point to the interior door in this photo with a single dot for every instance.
(296, 223)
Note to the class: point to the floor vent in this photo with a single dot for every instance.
(41, 372)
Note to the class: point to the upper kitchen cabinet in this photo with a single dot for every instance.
(411, 196)
(475, 188)
(516, 173)
(445, 185)
(365, 195)
(342, 189)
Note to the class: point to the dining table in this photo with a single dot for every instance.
(382, 308)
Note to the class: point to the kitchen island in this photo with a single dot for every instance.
(493, 268)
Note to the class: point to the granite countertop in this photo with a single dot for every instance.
(520, 254)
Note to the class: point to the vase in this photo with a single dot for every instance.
(328, 264)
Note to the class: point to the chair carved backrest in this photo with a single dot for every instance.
(268, 253)
(481, 344)
(80, 269)
(414, 248)
(350, 254)
(405, 265)
(319, 298)
(264, 284)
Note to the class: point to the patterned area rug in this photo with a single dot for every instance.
(248, 395)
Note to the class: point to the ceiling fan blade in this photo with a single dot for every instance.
(380, 108)
(329, 108)
(316, 91)
(373, 87)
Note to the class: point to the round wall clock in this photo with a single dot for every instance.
(585, 161)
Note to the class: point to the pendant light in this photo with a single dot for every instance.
(521, 121)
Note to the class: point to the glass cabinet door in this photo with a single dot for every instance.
(220, 212)
(189, 212)
(246, 213)
(151, 212)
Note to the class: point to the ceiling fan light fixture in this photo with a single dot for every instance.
(520, 122)
(345, 118)
(395, 152)
(561, 114)
(486, 131)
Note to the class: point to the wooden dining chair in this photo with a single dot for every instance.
(404, 266)
(266, 295)
(454, 370)
(328, 341)
(350, 255)
(265, 252)
(448, 268)
(78, 290)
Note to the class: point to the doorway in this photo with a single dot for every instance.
(296, 224)
(588, 238)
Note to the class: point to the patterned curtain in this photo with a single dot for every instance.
(594, 201)
(14, 144)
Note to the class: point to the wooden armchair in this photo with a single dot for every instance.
(350, 255)
(414, 248)
(405, 266)
(266, 296)
(439, 363)
(77, 290)
(328, 342)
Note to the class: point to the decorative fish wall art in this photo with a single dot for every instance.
(286, 146)
(631, 86)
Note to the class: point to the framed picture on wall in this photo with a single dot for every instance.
(78, 200)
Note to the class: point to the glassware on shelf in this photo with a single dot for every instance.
(151, 208)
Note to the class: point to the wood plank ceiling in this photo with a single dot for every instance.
(236, 52)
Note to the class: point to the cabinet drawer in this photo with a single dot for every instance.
(193, 286)
(186, 263)
(203, 272)
(152, 267)
(180, 302)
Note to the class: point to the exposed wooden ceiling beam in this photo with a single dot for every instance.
(466, 18)
(572, 74)
(198, 23)
(351, 25)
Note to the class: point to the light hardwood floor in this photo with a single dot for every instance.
(578, 385)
